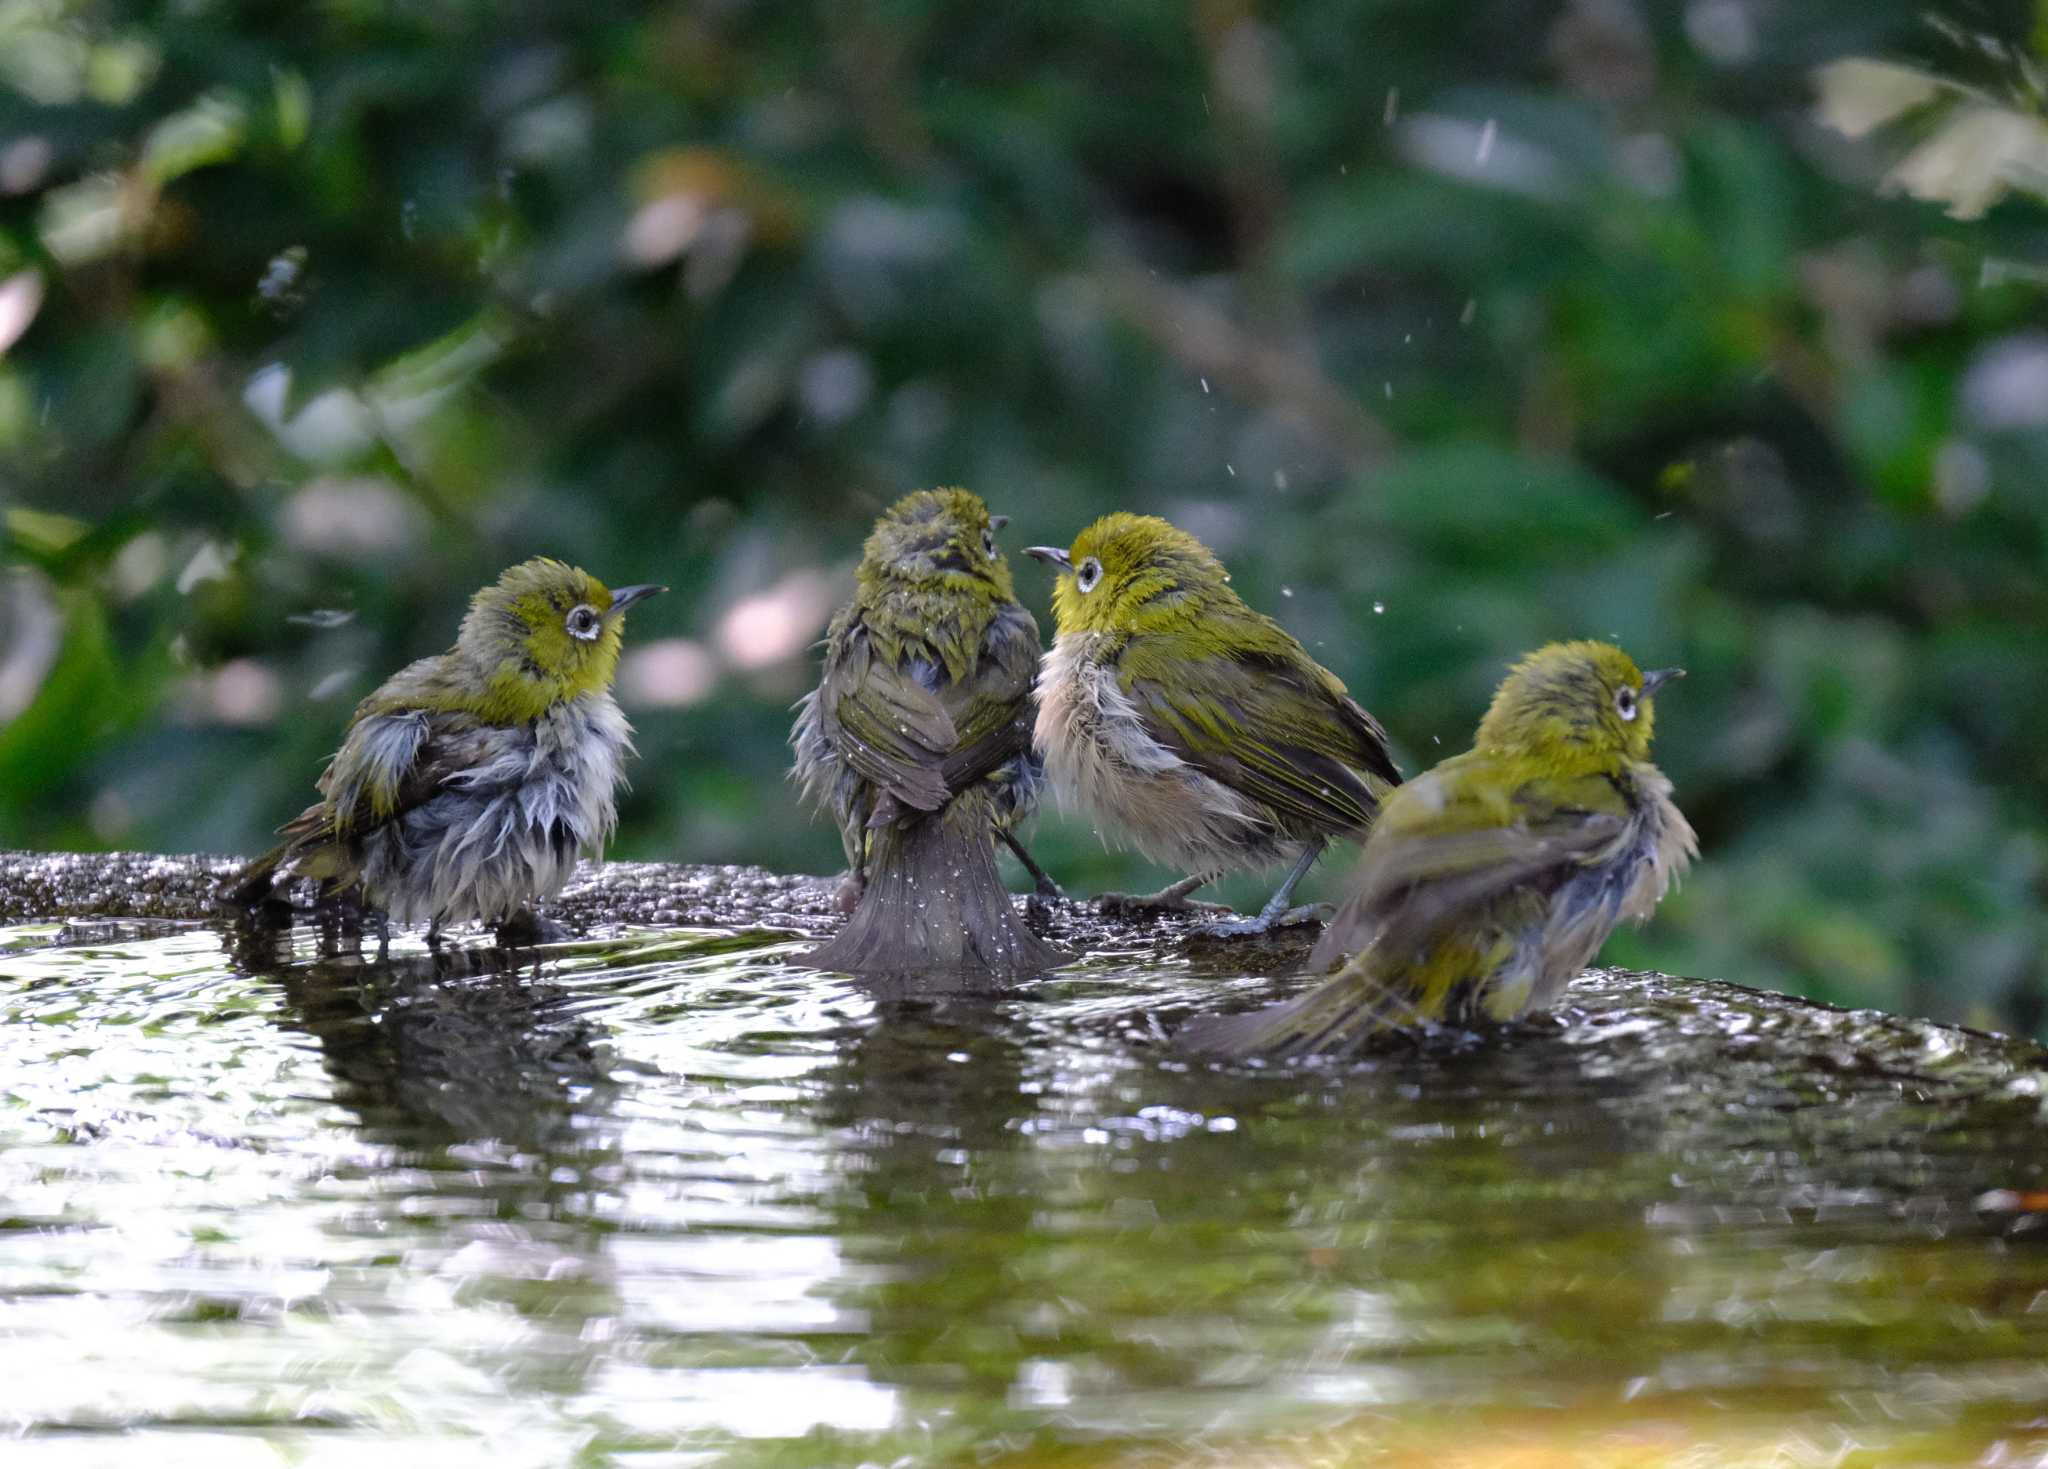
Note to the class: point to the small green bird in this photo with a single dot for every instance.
(917, 740)
(468, 783)
(1493, 879)
(1194, 726)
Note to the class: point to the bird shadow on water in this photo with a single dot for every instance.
(443, 1047)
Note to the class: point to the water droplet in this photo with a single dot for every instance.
(1393, 107)
(1205, 385)
(1471, 310)
(1233, 470)
(1485, 148)
(1287, 591)
(1378, 608)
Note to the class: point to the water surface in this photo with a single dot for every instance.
(664, 1199)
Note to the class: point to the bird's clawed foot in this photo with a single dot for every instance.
(1173, 898)
(527, 928)
(1237, 928)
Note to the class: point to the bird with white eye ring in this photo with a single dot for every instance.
(1194, 728)
(467, 784)
(1492, 880)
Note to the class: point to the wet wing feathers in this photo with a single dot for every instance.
(917, 737)
(892, 732)
(1455, 840)
(1265, 727)
(993, 711)
(389, 764)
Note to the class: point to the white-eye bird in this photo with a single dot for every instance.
(469, 782)
(1192, 727)
(1493, 879)
(917, 740)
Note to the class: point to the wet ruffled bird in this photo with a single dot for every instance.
(469, 783)
(917, 741)
(1493, 879)
(1196, 729)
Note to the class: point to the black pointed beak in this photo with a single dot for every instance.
(1656, 678)
(997, 522)
(624, 597)
(1051, 554)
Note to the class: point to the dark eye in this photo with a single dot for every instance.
(988, 544)
(1088, 574)
(1625, 702)
(583, 622)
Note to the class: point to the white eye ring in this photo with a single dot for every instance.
(988, 544)
(1625, 702)
(1088, 574)
(583, 622)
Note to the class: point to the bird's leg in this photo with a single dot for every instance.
(1173, 898)
(1042, 882)
(383, 922)
(1276, 913)
(434, 935)
(526, 928)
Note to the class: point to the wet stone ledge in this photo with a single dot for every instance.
(91, 888)
(43, 886)
(1724, 1056)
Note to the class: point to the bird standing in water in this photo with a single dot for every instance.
(918, 741)
(1197, 728)
(1493, 879)
(469, 782)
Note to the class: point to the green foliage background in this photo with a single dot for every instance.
(1455, 328)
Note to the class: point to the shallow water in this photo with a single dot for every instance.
(666, 1200)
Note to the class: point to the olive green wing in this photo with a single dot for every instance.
(1461, 859)
(992, 709)
(890, 729)
(1274, 727)
(1454, 840)
(392, 760)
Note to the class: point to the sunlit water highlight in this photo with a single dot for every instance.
(667, 1200)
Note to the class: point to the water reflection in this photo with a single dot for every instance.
(929, 1104)
(665, 1194)
(439, 1048)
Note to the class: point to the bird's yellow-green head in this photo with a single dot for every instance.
(1129, 570)
(544, 633)
(937, 540)
(1574, 704)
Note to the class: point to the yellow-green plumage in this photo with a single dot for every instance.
(1494, 878)
(1196, 728)
(469, 781)
(918, 741)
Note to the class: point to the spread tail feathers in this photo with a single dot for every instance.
(1338, 1015)
(934, 901)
